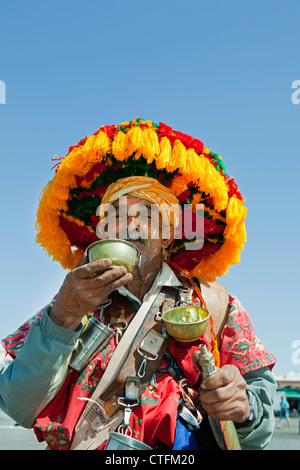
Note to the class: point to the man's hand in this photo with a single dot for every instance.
(80, 292)
(223, 394)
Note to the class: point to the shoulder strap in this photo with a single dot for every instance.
(123, 363)
(216, 299)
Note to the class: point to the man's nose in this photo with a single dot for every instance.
(133, 222)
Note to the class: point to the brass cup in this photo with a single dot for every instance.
(186, 323)
(120, 252)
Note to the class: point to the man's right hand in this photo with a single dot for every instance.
(80, 292)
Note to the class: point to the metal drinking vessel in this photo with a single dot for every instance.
(120, 252)
(119, 441)
(186, 323)
(95, 334)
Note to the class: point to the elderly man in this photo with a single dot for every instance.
(77, 409)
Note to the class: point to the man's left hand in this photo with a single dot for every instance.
(223, 395)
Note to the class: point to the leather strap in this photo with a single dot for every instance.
(123, 350)
(216, 299)
(132, 365)
(117, 317)
(124, 362)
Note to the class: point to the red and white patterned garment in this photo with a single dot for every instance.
(154, 419)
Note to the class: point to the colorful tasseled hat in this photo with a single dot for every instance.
(67, 220)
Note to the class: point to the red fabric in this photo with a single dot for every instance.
(155, 417)
(239, 344)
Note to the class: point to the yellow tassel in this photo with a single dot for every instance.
(212, 183)
(216, 353)
(197, 168)
(81, 159)
(54, 197)
(47, 223)
(69, 259)
(205, 151)
(64, 178)
(77, 255)
(102, 146)
(192, 164)
(165, 153)
(80, 163)
(59, 246)
(178, 160)
(149, 145)
(121, 147)
(235, 237)
(57, 204)
(235, 215)
(59, 191)
(135, 137)
(53, 245)
(74, 163)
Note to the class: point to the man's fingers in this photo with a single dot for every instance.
(223, 395)
(108, 285)
(86, 270)
(105, 279)
(118, 283)
(217, 395)
(109, 276)
(222, 378)
(232, 406)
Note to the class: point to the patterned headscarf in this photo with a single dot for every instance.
(145, 188)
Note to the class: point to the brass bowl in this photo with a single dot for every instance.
(186, 323)
(120, 252)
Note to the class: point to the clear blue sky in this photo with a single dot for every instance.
(220, 71)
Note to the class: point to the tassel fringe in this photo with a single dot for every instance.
(141, 139)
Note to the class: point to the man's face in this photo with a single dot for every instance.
(138, 221)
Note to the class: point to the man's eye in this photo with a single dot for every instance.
(145, 217)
